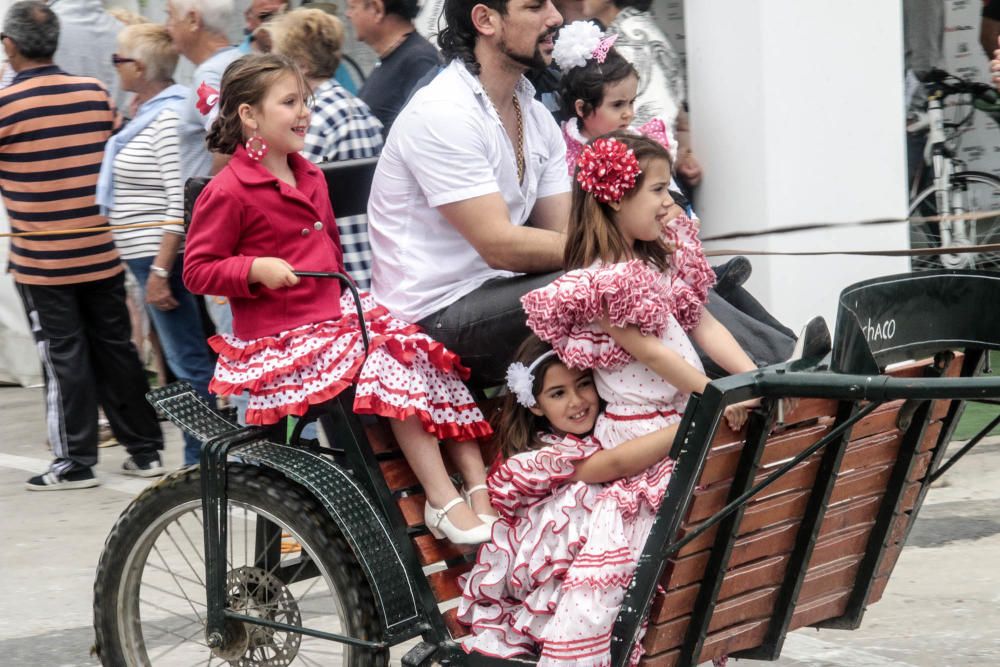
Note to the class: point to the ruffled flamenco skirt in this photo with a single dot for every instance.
(404, 373)
(513, 590)
(594, 585)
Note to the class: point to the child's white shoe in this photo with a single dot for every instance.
(439, 525)
(488, 519)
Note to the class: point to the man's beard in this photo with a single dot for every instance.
(536, 61)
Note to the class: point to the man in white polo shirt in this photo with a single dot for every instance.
(470, 199)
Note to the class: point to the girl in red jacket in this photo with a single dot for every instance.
(296, 342)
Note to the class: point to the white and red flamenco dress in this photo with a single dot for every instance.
(513, 589)
(404, 373)
(638, 402)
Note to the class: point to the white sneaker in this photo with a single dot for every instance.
(153, 468)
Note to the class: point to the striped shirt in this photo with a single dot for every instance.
(53, 127)
(147, 182)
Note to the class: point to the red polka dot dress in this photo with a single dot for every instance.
(294, 347)
(404, 373)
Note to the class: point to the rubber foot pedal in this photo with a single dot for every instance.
(419, 654)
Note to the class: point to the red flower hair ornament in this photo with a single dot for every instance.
(607, 169)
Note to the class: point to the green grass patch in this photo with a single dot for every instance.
(978, 415)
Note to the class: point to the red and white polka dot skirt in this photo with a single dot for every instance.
(405, 372)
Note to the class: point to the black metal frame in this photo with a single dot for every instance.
(341, 426)
(859, 395)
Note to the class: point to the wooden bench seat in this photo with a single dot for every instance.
(766, 535)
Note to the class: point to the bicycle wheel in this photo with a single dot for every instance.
(980, 192)
(286, 562)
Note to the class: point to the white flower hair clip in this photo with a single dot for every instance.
(520, 380)
(580, 41)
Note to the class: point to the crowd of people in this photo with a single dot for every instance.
(493, 234)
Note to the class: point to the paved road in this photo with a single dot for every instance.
(941, 609)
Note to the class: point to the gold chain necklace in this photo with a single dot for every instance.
(519, 157)
(520, 139)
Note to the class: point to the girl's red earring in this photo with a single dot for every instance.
(256, 147)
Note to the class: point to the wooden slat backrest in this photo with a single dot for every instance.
(767, 532)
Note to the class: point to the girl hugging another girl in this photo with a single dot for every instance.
(629, 310)
(546, 487)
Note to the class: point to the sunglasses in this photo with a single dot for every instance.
(263, 17)
(118, 60)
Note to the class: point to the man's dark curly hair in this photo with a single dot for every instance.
(458, 39)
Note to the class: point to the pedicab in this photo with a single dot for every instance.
(280, 549)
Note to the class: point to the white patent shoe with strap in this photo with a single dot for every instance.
(488, 519)
(440, 526)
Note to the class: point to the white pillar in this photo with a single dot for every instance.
(797, 116)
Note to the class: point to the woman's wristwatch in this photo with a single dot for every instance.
(159, 271)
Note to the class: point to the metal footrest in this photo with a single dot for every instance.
(182, 405)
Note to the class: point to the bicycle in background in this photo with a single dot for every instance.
(946, 187)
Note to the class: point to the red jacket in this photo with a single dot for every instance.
(245, 212)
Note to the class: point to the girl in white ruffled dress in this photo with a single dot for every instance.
(627, 311)
(546, 484)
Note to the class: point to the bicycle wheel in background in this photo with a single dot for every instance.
(287, 562)
(980, 192)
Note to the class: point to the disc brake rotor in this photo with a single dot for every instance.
(255, 592)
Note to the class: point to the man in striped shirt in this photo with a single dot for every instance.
(53, 127)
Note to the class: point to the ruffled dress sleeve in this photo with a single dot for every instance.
(524, 479)
(692, 276)
(564, 313)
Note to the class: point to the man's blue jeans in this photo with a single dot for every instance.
(181, 338)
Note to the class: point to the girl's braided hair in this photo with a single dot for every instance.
(246, 81)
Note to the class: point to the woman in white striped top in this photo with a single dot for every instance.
(140, 182)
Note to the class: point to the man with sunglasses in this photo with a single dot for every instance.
(257, 14)
(53, 128)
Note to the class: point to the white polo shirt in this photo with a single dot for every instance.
(448, 145)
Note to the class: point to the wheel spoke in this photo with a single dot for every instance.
(194, 547)
(305, 659)
(157, 568)
(184, 640)
(279, 564)
(150, 586)
(171, 573)
(186, 618)
(166, 531)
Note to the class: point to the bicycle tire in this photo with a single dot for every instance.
(122, 637)
(924, 235)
